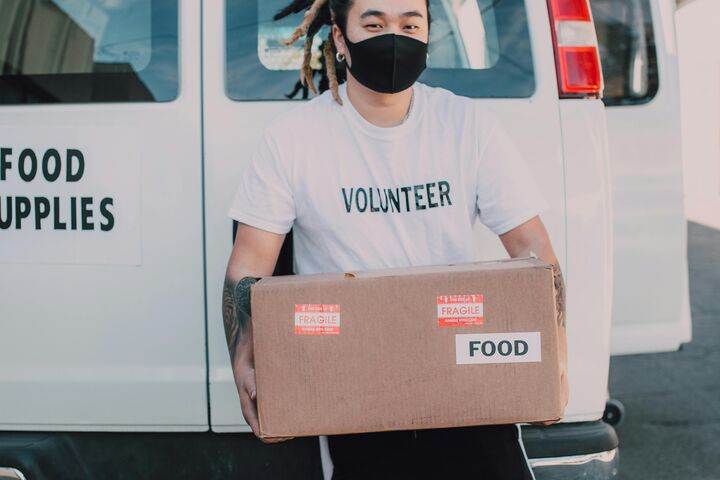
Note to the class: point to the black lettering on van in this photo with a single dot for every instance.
(87, 213)
(19, 211)
(505, 348)
(5, 164)
(42, 210)
(22, 210)
(26, 155)
(474, 347)
(53, 175)
(6, 222)
(77, 155)
(73, 213)
(57, 224)
(107, 214)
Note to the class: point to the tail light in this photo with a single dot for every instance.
(576, 49)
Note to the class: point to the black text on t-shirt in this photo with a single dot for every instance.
(397, 199)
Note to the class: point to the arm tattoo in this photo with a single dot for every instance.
(236, 310)
(559, 294)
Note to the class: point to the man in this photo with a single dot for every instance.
(382, 171)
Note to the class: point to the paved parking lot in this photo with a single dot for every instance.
(672, 400)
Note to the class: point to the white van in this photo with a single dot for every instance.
(698, 25)
(123, 125)
(651, 308)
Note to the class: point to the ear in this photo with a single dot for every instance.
(339, 40)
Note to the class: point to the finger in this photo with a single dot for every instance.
(276, 439)
(249, 383)
(249, 412)
(247, 393)
(543, 423)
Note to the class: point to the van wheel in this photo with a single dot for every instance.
(614, 412)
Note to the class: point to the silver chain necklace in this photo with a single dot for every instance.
(412, 97)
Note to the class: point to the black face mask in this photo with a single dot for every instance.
(387, 63)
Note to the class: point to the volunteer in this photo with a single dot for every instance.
(382, 171)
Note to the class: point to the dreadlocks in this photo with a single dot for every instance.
(317, 14)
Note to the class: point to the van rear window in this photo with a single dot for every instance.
(84, 51)
(627, 50)
(478, 48)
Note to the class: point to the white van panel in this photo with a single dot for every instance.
(698, 24)
(589, 275)
(651, 309)
(232, 128)
(105, 342)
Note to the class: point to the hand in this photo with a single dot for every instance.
(544, 423)
(564, 386)
(245, 382)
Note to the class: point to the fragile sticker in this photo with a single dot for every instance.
(460, 310)
(317, 319)
(510, 347)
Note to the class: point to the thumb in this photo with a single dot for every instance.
(249, 383)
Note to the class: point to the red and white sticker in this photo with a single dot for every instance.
(317, 319)
(459, 310)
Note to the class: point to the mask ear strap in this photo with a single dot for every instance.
(344, 34)
(347, 43)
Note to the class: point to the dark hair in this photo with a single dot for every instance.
(319, 13)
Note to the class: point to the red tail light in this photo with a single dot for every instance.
(576, 49)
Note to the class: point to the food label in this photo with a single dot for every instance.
(510, 347)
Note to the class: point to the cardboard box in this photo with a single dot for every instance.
(407, 348)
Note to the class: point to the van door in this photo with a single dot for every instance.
(500, 53)
(637, 47)
(698, 25)
(101, 276)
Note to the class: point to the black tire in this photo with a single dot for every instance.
(614, 412)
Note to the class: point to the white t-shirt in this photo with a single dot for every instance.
(359, 196)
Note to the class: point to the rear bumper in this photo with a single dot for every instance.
(593, 466)
(587, 450)
(562, 451)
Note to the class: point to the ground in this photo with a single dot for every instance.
(672, 400)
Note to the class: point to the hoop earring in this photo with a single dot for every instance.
(340, 57)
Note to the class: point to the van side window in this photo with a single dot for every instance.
(85, 51)
(627, 50)
(478, 48)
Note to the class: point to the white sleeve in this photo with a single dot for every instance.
(264, 198)
(507, 193)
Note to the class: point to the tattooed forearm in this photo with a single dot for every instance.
(559, 294)
(232, 330)
(236, 315)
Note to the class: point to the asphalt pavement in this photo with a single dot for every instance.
(672, 400)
